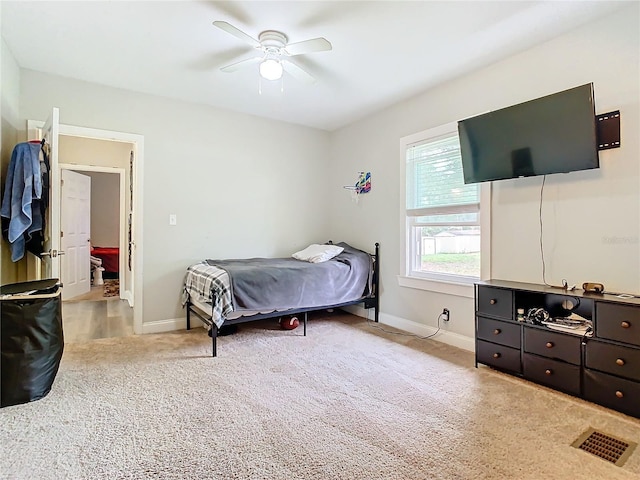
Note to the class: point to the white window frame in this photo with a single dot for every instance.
(450, 284)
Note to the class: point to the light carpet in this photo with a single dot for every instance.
(346, 402)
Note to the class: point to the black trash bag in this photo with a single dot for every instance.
(32, 340)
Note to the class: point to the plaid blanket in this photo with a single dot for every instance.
(209, 284)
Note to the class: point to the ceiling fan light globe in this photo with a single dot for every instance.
(271, 69)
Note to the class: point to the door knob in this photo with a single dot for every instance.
(52, 253)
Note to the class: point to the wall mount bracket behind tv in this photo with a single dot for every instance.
(608, 130)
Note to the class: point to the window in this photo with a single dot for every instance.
(442, 215)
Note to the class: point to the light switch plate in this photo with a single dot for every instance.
(173, 219)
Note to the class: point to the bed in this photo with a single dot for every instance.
(110, 257)
(228, 292)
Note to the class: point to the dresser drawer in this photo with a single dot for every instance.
(615, 359)
(499, 356)
(496, 302)
(613, 392)
(496, 331)
(544, 342)
(618, 322)
(553, 373)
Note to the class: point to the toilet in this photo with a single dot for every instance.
(97, 276)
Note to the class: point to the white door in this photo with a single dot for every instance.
(75, 234)
(51, 256)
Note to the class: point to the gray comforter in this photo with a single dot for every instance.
(286, 283)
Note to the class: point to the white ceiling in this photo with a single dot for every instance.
(383, 51)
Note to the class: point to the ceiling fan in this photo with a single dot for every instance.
(275, 52)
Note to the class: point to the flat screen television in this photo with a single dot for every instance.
(552, 134)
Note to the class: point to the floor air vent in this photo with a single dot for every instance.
(605, 446)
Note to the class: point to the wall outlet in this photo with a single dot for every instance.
(445, 314)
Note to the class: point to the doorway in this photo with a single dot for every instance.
(102, 311)
(130, 276)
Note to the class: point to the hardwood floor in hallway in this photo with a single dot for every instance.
(94, 316)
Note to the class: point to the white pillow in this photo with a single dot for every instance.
(318, 253)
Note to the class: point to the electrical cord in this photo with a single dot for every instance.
(586, 335)
(544, 278)
(375, 325)
(565, 285)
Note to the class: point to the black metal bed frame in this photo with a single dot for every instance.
(372, 300)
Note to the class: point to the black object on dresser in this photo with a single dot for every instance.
(603, 368)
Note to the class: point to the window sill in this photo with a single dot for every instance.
(458, 289)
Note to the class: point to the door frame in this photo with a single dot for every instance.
(137, 142)
(127, 292)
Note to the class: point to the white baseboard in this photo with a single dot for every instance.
(450, 338)
(169, 325)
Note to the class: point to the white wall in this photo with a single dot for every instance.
(10, 97)
(9, 136)
(105, 209)
(91, 151)
(240, 186)
(591, 219)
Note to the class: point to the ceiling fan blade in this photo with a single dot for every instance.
(241, 64)
(227, 27)
(308, 46)
(297, 72)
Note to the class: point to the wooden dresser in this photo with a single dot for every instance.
(603, 368)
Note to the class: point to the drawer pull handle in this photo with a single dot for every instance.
(493, 301)
(496, 355)
(619, 394)
(620, 362)
(625, 324)
(497, 331)
(548, 372)
(549, 345)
